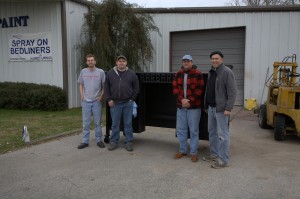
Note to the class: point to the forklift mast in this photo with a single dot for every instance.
(285, 73)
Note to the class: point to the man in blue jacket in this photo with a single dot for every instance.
(121, 88)
(219, 100)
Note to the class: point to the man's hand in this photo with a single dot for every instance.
(100, 98)
(111, 103)
(227, 113)
(188, 105)
(185, 103)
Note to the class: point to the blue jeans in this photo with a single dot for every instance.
(219, 137)
(117, 111)
(89, 108)
(188, 119)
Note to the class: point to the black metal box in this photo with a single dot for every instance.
(157, 105)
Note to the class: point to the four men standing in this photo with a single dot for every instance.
(122, 87)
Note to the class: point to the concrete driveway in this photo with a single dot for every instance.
(260, 168)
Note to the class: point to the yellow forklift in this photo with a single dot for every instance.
(282, 108)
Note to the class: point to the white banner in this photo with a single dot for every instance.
(30, 47)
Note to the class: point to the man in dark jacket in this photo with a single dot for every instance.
(188, 85)
(219, 100)
(121, 88)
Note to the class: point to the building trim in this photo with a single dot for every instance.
(84, 2)
(170, 50)
(225, 9)
(64, 48)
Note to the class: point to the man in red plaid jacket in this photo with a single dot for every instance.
(188, 86)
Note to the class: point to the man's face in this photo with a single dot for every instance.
(121, 63)
(216, 60)
(187, 64)
(90, 61)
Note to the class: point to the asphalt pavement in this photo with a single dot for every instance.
(259, 168)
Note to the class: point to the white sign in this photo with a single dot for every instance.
(30, 47)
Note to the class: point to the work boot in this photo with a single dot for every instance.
(179, 155)
(82, 145)
(100, 144)
(210, 159)
(112, 146)
(129, 146)
(219, 165)
(194, 158)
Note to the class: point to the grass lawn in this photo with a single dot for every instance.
(39, 124)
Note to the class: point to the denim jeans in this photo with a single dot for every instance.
(88, 109)
(188, 119)
(219, 137)
(119, 110)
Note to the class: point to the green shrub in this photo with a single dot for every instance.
(32, 96)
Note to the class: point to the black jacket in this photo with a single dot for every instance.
(121, 89)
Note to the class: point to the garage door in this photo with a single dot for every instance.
(200, 43)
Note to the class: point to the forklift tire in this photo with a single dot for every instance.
(279, 128)
(262, 117)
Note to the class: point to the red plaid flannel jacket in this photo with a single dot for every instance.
(195, 87)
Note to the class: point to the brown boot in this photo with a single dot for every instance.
(179, 155)
(194, 158)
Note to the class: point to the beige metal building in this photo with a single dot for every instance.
(250, 38)
(22, 22)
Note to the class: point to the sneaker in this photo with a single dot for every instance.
(129, 146)
(83, 145)
(100, 144)
(112, 146)
(210, 159)
(194, 158)
(219, 165)
(179, 155)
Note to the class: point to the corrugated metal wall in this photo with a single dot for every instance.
(75, 16)
(43, 17)
(270, 36)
